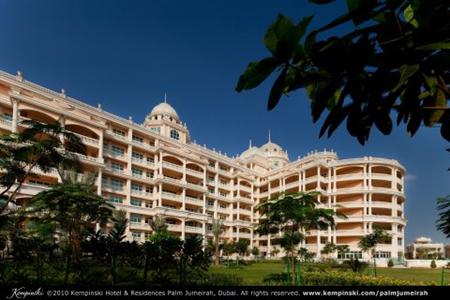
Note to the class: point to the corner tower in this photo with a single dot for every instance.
(164, 120)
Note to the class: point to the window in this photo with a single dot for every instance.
(138, 139)
(136, 187)
(211, 190)
(116, 184)
(156, 129)
(174, 134)
(135, 219)
(351, 254)
(149, 174)
(137, 172)
(148, 204)
(135, 202)
(150, 160)
(117, 150)
(383, 254)
(210, 202)
(136, 236)
(115, 199)
(137, 156)
(7, 117)
(119, 132)
(117, 167)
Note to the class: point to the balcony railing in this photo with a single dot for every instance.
(169, 195)
(172, 166)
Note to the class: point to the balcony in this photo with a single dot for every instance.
(193, 229)
(292, 185)
(141, 193)
(116, 135)
(6, 124)
(114, 188)
(172, 166)
(142, 162)
(170, 196)
(195, 186)
(87, 140)
(144, 145)
(115, 155)
(194, 200)
(174, 227)
(194, 173)
(243, 188)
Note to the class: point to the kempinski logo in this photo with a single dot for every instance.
(22, 293)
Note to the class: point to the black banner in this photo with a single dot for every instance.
(80, 292)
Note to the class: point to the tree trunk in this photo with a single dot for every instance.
(113, 270)
(293, 269)
(217, 254)
(146, 267)
(66, 273)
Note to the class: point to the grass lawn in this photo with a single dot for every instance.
(254, 274)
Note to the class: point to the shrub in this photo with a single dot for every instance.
(433, 264)
(356, 265)
(390, 263)
(336, 278)
(215, 279)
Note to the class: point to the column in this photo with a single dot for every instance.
(99, 182)
(184, 171)
(318, 178)
(183, 199)
(183, 229)
(15, 115)
(159, 200)
(100, 145)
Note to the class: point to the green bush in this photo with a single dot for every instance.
(356, 265)
(390, 263)
(336, 278)
(215, 279)
(433, 264)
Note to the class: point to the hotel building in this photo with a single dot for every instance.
(154, 168)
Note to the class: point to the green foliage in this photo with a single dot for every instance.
(443, 223)
(393, 62)
(255, 251)
(390, 263)
(242, 246)
(291, 214)
(433, 264)
(356, 265)
(215, 279)
(337, 278)
(37, 146)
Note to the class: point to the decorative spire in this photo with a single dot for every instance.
(165, 97)
(249, 144)
(270, 139)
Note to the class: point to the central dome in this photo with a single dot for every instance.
(164, 109)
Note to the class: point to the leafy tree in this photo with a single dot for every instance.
(342, 250)
(228, 248)
(255, 251)
(41, 146)
(328, 248)
(115, 239)
(292, 214)
(443, 223)
(390, 263)
(193, 261)
(72, 207)
(242, 246)
(158, 224)
(217, 231)
(433, 264)
(161, 250)
(394, 61)
(368, 243)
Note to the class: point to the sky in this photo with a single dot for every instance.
(126, 55)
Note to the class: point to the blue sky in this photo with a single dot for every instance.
(127, 54)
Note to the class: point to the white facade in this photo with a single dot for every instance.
(427, 247)
(155, 169)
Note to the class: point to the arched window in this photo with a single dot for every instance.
(174, 134)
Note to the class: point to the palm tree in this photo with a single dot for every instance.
(443, 223)
(158, 224)
(328, 248)
(368, 243)
(292, 214)
(115, 239)
(41, 146)
(217, 231)
(342, 250)
(73, 206)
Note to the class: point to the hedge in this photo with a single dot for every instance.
(336, 278)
